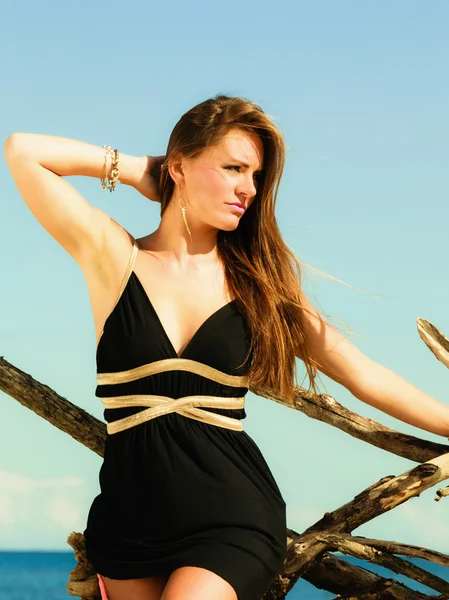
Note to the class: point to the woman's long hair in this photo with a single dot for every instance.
(262, 273)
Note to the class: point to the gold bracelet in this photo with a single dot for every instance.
(105, 180)
(110, 180)
(114, 177)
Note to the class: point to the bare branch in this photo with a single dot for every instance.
(92, 433)
(388, 590)
(52, 407)
(441, 493)
(437, 343)
(307, 556)
(381, 497)
(402, 549)
(365, 552)
(325, 408)
(340, 577)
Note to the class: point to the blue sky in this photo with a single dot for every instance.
(360, 91)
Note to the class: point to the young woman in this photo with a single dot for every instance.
(185, 317)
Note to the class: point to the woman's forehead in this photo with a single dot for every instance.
(245, 148)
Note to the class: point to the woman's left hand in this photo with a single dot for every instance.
(147, 177)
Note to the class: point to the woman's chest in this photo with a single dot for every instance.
(183, 301)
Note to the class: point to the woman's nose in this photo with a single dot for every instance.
(249, 186)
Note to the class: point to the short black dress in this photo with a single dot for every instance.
(176, 489)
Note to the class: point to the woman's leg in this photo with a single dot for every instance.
(195, 582)
(148, 588)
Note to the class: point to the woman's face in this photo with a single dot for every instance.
(222, 175)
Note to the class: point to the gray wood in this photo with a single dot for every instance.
(308, 553)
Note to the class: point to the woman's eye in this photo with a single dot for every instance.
(257, 176)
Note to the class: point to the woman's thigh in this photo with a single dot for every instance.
(186, 583)
(148, 588)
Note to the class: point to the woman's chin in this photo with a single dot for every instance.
(229, 224)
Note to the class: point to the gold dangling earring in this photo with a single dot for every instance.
(183, 210)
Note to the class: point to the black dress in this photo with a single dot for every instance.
(175, 490)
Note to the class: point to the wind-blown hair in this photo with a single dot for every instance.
(262, 273)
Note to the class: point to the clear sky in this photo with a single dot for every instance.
(361, 93)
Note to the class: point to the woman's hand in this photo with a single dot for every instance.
(147, 177)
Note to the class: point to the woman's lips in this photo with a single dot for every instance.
(238, 207)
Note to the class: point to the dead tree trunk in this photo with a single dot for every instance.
(308, 553)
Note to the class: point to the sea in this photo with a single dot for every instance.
(44, 575)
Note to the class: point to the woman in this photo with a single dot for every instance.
(185, 317)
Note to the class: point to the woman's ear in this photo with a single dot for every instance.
(175, 168)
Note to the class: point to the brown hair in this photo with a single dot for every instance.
(261, 272)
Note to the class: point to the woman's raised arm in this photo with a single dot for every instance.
(38, 164)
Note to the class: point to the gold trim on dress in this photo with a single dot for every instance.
(188, 406)
(172, 364)
(126, 276)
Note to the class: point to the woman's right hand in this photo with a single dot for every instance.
(147, 179)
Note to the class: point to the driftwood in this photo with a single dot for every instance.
(83, 579)
(309, 553)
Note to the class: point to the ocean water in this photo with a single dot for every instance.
(35, 575)
(44, 575)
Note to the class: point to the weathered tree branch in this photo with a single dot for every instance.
(340, 577)
(434, 340)
(52, 407)
(438, 344)
(348, 545)
(325, 408)
(308, 554)
(91, 432)
(389, 590)
(441, 493)
(381, 497)
(403, 549)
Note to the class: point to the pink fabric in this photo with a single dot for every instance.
(104, 596)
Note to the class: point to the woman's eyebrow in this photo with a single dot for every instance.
(241, 162)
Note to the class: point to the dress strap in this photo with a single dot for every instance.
(129, 268)
(126, 277)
